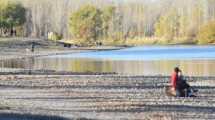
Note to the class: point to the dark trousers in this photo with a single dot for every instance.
(182, 89)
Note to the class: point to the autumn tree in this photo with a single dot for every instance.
(168, 25)
(86, 24)
(206, 33)
(107, 17)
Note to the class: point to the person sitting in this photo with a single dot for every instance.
(184, 87)
(179, 86)
(174, 82)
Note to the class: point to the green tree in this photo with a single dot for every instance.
(206, 33)
(12, 15)
(15, 14)
(86, 25)
(3, 22)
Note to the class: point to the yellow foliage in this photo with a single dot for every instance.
(206, 33)
(54, 36)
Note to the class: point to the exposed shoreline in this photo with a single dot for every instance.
(101, 97)
(20, 48)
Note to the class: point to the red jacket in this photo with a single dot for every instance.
(174, 79)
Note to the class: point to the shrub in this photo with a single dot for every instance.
(54, 36)
(206, 33)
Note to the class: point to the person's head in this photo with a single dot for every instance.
(176, 69)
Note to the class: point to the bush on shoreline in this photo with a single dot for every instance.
(206, 34)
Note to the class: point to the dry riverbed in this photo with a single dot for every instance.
(58, 97)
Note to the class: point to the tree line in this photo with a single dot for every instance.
(118, 22)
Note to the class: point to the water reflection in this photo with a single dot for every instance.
(146, 60)
(128, 67)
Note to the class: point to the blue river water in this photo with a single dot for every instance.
(150, 53)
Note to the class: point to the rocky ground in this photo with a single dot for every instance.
(58, 97)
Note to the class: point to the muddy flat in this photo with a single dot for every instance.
(101, 97)
(14, 48)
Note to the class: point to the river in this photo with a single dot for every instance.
(145, 60)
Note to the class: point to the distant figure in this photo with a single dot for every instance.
(32, 46)
(13, 32)
(98, 43)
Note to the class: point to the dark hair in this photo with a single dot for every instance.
(176, 69)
